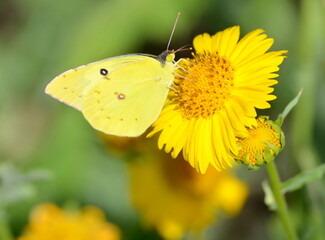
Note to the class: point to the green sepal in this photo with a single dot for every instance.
(253, 167)
(260, 159)
(268, 155)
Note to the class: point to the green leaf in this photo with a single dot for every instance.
(288, 108)
(303, 178)
(269, 199)
(16, 186)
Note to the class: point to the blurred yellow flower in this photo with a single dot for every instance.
(174, 198)
(49, 222)
(124, 146)
(215, 96)
(262, 144)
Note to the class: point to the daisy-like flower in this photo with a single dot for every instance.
(49, 222)
(262, 144)
(216, 95)
(175, 199)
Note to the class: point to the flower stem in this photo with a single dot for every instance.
(282, 207)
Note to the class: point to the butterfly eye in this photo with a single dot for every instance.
(103, 71)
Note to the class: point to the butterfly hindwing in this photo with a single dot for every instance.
(129, 99)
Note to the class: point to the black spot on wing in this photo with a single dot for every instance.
(103, 71)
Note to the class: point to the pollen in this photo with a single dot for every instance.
(206, 84)
(262, 141)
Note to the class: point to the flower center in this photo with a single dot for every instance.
(257, 140)
(205, 86)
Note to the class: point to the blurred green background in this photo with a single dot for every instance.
(41, 39)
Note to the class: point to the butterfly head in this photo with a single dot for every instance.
(167, 56)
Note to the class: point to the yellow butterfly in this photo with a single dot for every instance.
(121, 95)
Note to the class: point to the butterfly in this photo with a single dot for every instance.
(121, 95)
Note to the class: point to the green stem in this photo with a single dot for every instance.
(282, 207)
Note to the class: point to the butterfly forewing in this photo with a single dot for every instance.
(71, 86)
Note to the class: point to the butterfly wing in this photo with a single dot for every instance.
(130, 99)
(71, 86)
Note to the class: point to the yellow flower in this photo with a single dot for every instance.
(174, 198)
(215, 96)
(49, 222)
(261, 145)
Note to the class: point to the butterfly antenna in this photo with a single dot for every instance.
(184, 48)
(171, 35)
